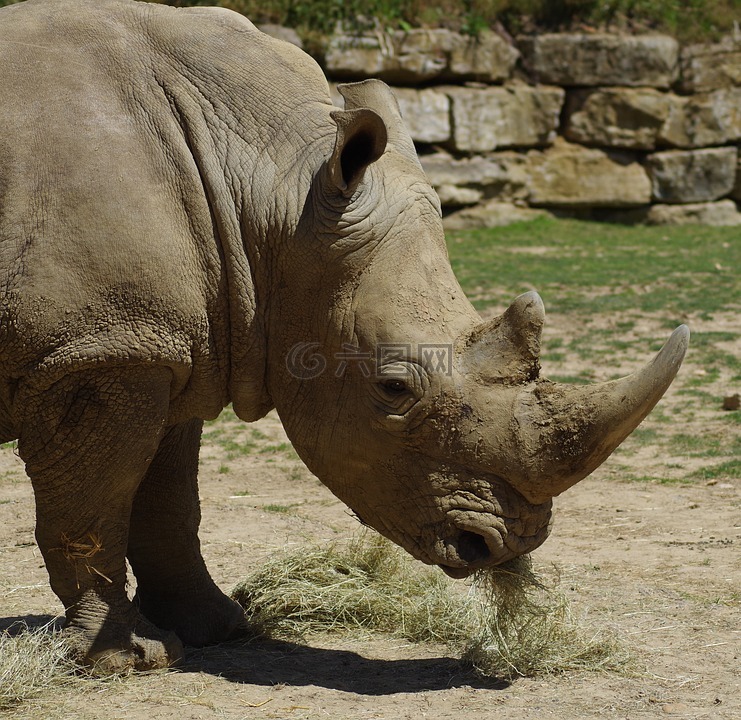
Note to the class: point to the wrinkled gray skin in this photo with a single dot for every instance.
(180, 209)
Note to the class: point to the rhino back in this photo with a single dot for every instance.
(121, 224)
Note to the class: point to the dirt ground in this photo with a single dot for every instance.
(659, 563)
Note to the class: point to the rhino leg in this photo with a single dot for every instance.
(87, 442)
(174, 588)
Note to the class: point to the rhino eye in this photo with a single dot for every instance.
(398, 387)
(394, 387)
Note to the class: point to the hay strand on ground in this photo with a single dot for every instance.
(507, 622)
(360, 585)
(526, 628)
(32, 662)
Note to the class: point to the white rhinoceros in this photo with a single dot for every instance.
(183, 215)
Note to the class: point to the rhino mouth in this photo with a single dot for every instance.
(467, 549)
(472, 549)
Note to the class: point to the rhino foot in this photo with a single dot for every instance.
(198, 619)
(117, 647)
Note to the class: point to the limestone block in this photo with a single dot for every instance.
(575, 59)
(443, 169)
(420, 55)
(487, 58)
(413, 62)
(465, 181)
(455, 196)
(691, 176)
(491, 214)
(426, 114)
(356, 57)
(704, 119)
(514, 116)
(617, 117)
(711, 66)
(573, 176)
(722, 213)
(736, 192)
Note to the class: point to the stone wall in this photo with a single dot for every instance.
(623, 128)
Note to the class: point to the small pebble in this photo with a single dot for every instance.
(674, 708)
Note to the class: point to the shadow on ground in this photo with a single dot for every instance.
(280, 662)
(19, 623)
(271, 662)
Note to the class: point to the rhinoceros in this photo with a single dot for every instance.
(186, 221)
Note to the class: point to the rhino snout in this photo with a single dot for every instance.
(474, 541)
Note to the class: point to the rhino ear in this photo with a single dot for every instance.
(361, 140)
(377, 96)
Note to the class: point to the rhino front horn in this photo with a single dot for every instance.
(539, 436)
(565, 431)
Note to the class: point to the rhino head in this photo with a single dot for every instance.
(434, 427)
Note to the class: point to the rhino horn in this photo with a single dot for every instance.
(541, 436)
(507, 348)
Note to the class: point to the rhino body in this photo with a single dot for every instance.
(182, 213)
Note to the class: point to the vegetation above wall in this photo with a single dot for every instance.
(688, 20)
(691, 20)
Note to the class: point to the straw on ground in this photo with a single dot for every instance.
(506, 622)
(32, 662)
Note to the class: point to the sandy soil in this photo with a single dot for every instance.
(659, 563)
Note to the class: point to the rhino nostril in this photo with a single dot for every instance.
(472, 547)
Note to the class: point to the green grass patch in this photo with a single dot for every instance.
(284, 448)
(654, 479)
(732, 417)
(570, 379)
(728, 470)
(235, 437)
(690, 20)
(281, 509)
(588, 268)
(645, 434)
(688, 444)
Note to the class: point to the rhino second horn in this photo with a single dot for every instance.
(566, 431)
(506, 349)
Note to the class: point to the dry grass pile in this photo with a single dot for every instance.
(507, 622)
(361, 585)
(32, 662)
(525, 627)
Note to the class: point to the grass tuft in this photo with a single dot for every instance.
(507, 622)
(32, 662)
(525, 628)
